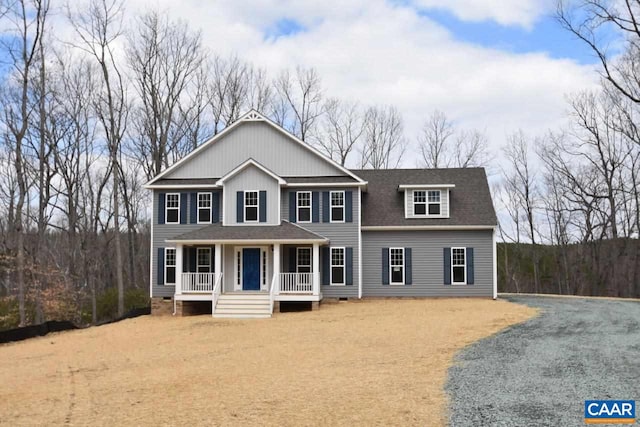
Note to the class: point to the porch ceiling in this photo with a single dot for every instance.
(285, 232)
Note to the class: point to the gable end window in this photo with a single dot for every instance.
(337, 206)
(172, 208)
(251, 206)
(434, 200)
(458, 266)
(396, 266)
(204, 208)
(337, 266)
(419, 202)
(170, 265)
(304, 206)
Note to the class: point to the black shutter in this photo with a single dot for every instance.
(215, 207)
(293, 261)
(194, 208)
(408, 274)
(348, 206)
(262, 206)
(349, 265)
(185, 259)
(315, 206)
(240, 206)
(326, 269)
(447, 265)
(292, 206)
(470, 272)
(161, 207)
(193, 254)
(160, 272)
(212, 263)
(325, 206)
(385, 266)
(183, 208)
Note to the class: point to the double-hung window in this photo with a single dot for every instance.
(434, 198)
(203, 260)
(396, 266)
(172, 208)
(304, 260)
(170, 266)
(251, 206)
(204, 208)
(458, 266)
(337, 266)
(304, 206)
(337, 206)
(419, 202)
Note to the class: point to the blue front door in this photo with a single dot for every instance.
(251, 269)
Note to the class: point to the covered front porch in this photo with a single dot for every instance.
(279, 263)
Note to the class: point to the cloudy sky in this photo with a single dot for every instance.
(495, 65)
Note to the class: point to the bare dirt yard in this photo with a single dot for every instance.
(374, 362)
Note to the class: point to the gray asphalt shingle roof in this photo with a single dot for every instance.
(383, 204)
(284, 231)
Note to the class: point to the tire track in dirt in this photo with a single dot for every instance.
(72, 396)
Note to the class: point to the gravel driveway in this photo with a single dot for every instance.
(540, 372)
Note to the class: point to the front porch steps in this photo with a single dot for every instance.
(243, 306)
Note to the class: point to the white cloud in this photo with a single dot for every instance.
(374, 52)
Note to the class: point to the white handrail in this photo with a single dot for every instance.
(272, 292)
(198, 282)
(216, 292)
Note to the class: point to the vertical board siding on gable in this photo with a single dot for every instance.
(251, 178)
(261, 142)
(340, 234)
(161, 232)
(427, 262)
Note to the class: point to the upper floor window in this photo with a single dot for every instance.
(304, 206)
(458, 266)
(419, 202)
(434, 199)
(396, 266)
(204, 208)
(337, 266)
(172, 209)
(251, 206)
(170, 265)
(337, 206)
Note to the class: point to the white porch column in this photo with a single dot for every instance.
(276, 266)
(179, 269)
(217, 260)
(316, 269)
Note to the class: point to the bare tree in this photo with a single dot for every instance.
(342, 128)
(384, 144)
(300, 101)
(98, 27)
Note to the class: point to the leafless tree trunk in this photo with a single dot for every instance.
(343, 127)
(384, 143)
(301, 95)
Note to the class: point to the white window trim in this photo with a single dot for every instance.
(344, 266)
(210, 208)
(298, 249)
(426, 203)
(310, 207)
(331, 207)
(434, 203)
(404, 270)
(464, 265)
(244, 194)
(167, 266)
(198, 265)
(166, 208)
(238, 267)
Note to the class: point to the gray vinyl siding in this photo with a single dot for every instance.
(339, 234)
(428, 263)
(161, 232)
(444, 203)
(251, 178)
(258, 141)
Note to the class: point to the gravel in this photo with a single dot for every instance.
(540, 372)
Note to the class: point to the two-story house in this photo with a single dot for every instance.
(255, 217)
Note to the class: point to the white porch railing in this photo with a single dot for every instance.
(198, 282)
(296, 283)
(217, 288)
(272, 293)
